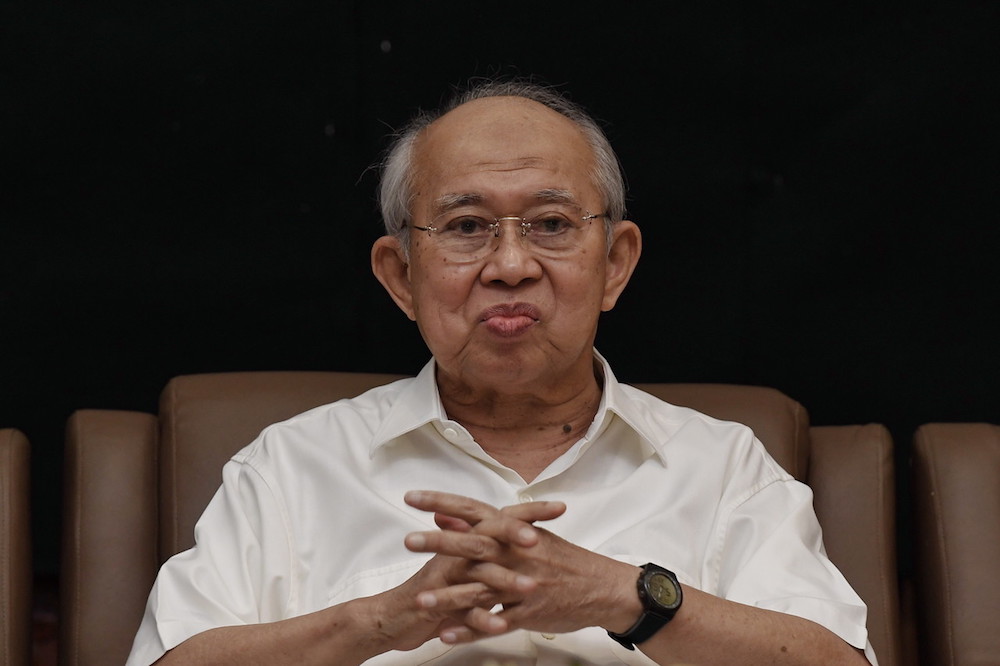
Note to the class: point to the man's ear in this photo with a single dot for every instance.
(392, 269)
(626, 246)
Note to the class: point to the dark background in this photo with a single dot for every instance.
(187, 187)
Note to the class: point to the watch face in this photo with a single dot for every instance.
(662, 589)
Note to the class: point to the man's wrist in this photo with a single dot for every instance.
(626, 604)
(364, 619)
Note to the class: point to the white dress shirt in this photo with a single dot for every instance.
(311, 514)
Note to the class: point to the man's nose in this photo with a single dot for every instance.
(511, 232)
(511, 260)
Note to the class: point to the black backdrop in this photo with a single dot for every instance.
(187, 188)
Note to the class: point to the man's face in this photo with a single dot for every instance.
(515, 319)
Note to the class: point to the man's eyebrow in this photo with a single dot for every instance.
(556, 196)
(447, 202)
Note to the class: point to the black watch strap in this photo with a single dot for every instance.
(654, 615)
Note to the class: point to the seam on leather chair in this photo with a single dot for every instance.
(75, 557)
(932, 467)
(172, 448)
(880, 461)
(800, 418)
(5, 592)
(15, 610)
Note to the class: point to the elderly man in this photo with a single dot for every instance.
(513, 503)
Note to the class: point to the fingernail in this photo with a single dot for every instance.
(527, 534)
(524, 582)
(426, 600)
(413, 496)
(449, 636)
(415, 541)
(496, 623)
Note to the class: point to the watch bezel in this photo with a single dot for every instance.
(647, 592)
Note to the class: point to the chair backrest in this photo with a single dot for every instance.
(204, 419)
(956, 491)
(135, 484)
(15, 549)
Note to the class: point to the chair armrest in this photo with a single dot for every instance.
(15, 549)
(852, 475)
(956, 492)
(109, 554)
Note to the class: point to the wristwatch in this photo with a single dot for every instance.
(661, 597)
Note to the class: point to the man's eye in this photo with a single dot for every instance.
(550, 224)
(467, 226)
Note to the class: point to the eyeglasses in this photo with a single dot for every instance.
(466, 238)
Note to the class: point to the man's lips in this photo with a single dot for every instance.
(509, 319)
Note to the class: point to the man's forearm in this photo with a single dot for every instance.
(334, 635)
(709, 630)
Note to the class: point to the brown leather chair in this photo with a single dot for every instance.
(956, 492)
(15, 549)
(137, 483)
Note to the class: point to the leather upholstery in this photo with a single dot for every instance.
(852, 475)
(15, 549)
(165, 481)
(109, 533)
(137, 483)
(956, 491)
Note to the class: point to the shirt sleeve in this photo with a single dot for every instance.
(773, 557)
(238, 572)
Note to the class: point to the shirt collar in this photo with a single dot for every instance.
(419, 403)
(623, 401)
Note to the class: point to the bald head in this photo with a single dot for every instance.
(502, 108)
(495, 138)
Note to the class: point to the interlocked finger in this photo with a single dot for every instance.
(479, 584)
(467, 545)
(458, 597)
(455, 506)
(531, 512)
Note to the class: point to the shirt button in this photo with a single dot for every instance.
(549, 637)
(525, 497)
(450, 434)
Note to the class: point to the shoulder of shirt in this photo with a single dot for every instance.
(654, 417)
(361, 415)
(667, 426)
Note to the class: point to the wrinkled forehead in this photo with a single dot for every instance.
(551, 198)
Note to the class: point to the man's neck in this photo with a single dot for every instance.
(526, 431)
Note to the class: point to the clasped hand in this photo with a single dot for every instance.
(485, 556)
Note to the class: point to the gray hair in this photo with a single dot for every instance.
(398, 170)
